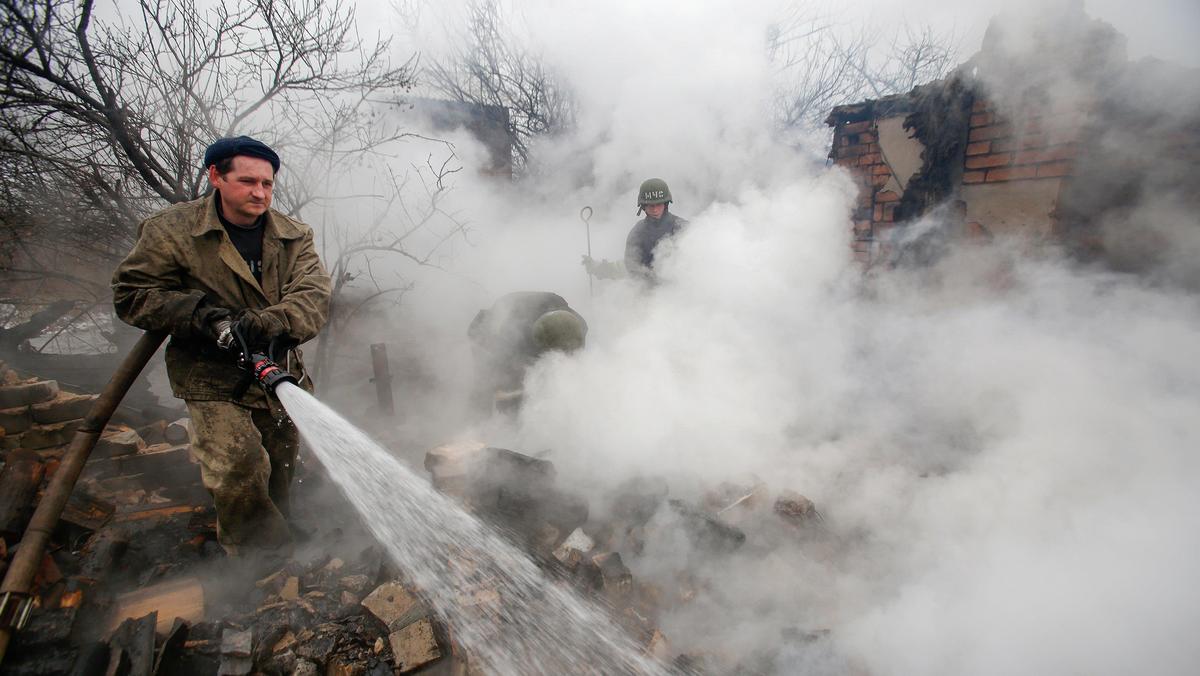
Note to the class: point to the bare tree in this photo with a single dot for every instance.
(102, 122)
(821, 63)
(411, 222)
(489, 67)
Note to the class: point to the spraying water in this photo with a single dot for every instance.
(505, 613)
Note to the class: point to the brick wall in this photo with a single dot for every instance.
(856, 147)
(1033, 144)
(1025, 154)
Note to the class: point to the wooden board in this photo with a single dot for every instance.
(182, 598)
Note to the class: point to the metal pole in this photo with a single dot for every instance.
(15, 599)
(383, 378)
(586, 215)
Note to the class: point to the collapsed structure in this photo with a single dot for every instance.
(1063, 144)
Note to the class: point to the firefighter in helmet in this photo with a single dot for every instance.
(509, 337)
(659, 224)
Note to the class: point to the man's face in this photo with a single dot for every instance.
(245, 189)
(654, 211)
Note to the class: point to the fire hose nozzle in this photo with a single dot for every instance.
(268, 373)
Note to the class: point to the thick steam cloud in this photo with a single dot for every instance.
(1001, 445)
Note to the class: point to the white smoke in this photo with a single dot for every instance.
(1001, 446)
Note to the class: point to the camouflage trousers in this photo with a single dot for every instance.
(247, 459)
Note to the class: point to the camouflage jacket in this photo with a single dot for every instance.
(642, 240)
(182, 256)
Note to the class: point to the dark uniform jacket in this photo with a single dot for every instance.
(642, 240)
(502, 337)
(183, 255)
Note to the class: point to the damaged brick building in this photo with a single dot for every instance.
(1066, 143)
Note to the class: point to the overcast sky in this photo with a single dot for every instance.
(1166, 29)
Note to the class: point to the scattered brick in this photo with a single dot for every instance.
(974, 176)
(65, 407)
(887, 196)
(15, 420)
(48, 436)
(795, 509)
(122, 442)
(414, 646)
(13, 396)
(394, 605)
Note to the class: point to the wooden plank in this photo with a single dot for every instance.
(150, 460)
(144, 512)
(182, 598)
(87, 511)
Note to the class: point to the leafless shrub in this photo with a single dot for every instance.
(488, 66)
(821, 62)
(103, 122)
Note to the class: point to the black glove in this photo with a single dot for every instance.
(206, 318)
(258, 328)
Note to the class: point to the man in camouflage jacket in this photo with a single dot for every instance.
(228, 256)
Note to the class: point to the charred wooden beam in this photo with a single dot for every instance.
(134, 640)
(172, 649)
(101, 553)
(382, 379)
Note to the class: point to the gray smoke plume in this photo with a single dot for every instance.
(1000, 446)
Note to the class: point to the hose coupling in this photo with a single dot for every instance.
(268, 373)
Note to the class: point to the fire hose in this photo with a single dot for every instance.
(16, 598)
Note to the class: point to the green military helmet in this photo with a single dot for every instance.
(654, 191)
(559, 330)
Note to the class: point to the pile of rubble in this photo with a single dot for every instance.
(135, 582)
(516, 494)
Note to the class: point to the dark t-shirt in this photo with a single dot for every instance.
(247, 241)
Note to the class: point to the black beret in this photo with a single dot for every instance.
(239, 145)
